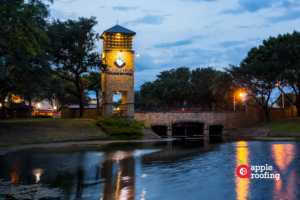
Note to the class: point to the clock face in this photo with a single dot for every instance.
(120, 62)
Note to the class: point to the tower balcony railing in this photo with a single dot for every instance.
(184, 109)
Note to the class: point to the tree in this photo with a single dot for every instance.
(24, 65)
(73, 43)
(287, 102)
(171, 88)
(94, 84)
(17, 30)
(224, 88)
(287, 52)
(202, 80)
(257, 81)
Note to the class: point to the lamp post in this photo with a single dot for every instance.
(54, 108)
(38, 105)
(282, 94)
(241, 95)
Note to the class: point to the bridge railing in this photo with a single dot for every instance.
(181, 109)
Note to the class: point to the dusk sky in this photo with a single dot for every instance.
(191, 33)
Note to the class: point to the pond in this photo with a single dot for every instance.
(162, 170)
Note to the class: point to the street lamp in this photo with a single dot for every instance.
(38, 105)
(54, 108)
(240, 94)
(282, 94)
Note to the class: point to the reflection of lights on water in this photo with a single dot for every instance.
(242, 184)
(144, 175)
(143, 194)
(100, 154)
(125, 193)
(283, 155)
(14, 177)
(125, 178)
(241, 144)
(37, 173)
(118, 183)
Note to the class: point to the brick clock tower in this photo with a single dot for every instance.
(119, 77)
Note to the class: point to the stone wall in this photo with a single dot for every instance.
(253, 132)
(90, 113)
(280, 113)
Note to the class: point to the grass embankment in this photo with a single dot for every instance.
(121, 128)
(289, 127)
(35, 130)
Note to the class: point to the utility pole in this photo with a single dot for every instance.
(233, 101)
(282, 96)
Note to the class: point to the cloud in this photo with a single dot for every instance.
(200, 0)
(173, 44)
(148, 19)
(62, 15)
(230, 43)
(289, 15)
(124, 8)
(103, 7)
(253, 6)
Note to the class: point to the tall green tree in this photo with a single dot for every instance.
(202, 80)
(24, 67)
(287, 53)
(257, 81)
(73, 45)
(171, 88)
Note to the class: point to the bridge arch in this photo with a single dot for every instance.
(160, 129)
(215, 129)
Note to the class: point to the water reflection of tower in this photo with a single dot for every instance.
(118, 177)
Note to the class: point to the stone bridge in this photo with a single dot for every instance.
(199, 123)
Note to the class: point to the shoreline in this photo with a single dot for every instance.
(9, 149)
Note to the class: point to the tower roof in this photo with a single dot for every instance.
(119, 29)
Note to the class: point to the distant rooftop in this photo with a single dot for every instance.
(119, 29)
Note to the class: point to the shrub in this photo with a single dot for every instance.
(121, 128)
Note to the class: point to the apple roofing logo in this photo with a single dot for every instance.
(243, 171)
(120, 62)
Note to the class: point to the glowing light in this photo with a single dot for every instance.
(37, 173)
(38, 105)
(283, 155)
(242, 184)
(241, 94)
(137, 55)
(16, 99)
(54, 107)
(118, 108)
(277, 84)
(0, 104)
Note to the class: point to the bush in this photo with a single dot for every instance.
(120, 128)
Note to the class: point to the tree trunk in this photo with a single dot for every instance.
(81, 104)
(267, 117)
(29, 107)
(97, 96)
